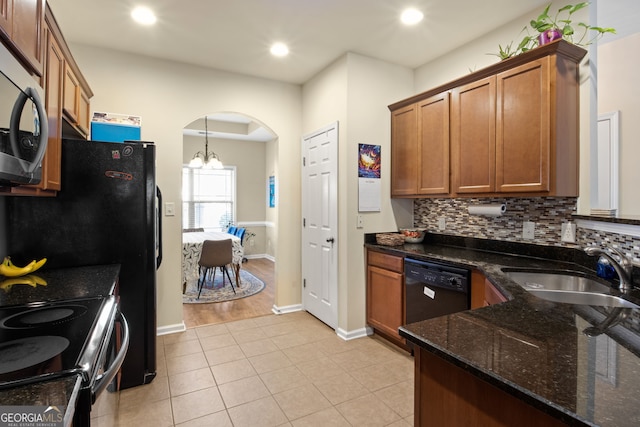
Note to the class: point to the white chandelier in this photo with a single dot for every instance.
(207, 159)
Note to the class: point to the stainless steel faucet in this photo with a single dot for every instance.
(619, 262)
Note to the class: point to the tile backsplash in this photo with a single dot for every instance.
(548, 214)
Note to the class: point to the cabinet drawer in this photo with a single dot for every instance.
(386, 261)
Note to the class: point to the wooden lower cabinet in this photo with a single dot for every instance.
(492, 295)
(385, 295)
(477, 289)
(446, 395)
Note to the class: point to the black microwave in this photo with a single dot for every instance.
(23, 124)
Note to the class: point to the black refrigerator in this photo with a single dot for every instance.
(107, 212)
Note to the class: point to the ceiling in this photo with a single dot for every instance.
(229, 126)
(236, 35)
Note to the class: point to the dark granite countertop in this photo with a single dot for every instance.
(61, 393)
(63, 284)
(531, 348)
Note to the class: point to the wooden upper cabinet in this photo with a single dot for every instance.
(420, 148)
(51, 172)
(514, 129)
(84, 112)
(523, 135)
(22, 25)
(473, 136)
(71, 95)
(6, 17)
(404, 149)
(433, 145)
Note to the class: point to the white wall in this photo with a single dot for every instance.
(355, 91)
(618, 90)
(170, 95)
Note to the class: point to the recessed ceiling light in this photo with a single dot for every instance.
(279, 49)
(143, 15)
(411, 16)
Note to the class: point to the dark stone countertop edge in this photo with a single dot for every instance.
(511, 388)
(491, 257)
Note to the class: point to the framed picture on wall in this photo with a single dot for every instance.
(271, 191)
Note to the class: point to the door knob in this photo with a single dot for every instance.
(330, 240)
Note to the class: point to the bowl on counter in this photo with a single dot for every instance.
(413, 235)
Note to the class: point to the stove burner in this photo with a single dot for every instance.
(44, 316)
(32, 352)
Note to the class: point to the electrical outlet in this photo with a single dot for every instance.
(568, 233)
(528, 230)
(442, 224)
(360, 222)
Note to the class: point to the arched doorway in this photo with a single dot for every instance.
(247, 150)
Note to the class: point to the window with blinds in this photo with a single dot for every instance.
(208, 198)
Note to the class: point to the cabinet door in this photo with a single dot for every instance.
(28, 31)
(84, 106)
(385, 302)
(477, 289)
(71, 95)
(404, 147)
(6, 7)
(523, 129)
(433, 145)
(51, 178)
(473, 139)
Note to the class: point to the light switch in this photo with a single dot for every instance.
(360, 222)
(169, 209)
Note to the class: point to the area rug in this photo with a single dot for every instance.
(215, 292)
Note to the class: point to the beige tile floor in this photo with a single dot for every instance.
(286, 370)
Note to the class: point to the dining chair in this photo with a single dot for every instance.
(240, 234)
(215, 254)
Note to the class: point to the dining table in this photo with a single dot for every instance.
(192, 247)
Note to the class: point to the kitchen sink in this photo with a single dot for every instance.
(568, 288)
(534, 280)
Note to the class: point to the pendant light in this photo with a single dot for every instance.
(208, 159)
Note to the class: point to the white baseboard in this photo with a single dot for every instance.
(286, 309)
(258, 256)
(171, 329)
(352, 335)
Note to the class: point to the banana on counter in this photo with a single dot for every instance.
(8, 269)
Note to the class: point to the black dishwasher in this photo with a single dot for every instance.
(434, 289)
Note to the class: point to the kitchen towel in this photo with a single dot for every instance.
(489, 210)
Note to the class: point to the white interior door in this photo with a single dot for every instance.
(320, 224)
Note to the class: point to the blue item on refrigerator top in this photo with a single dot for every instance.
(114, 132)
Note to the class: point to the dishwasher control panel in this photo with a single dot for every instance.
(435, 274)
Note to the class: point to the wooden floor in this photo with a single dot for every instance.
(243, 308)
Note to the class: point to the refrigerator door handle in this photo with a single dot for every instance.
(158, 213)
